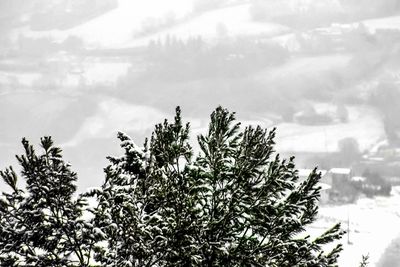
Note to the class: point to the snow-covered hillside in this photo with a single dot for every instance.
(300, 67)
(231, 21)
(365, 126)
(383, 23)
(372, 223)
(114, 115)
(119, 28)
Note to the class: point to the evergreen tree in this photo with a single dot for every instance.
(144, 210)
(42, 225)
(235, 204)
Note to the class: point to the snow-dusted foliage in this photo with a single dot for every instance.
(252, 210)
(145, 205)
(235, 204)
(41, 226)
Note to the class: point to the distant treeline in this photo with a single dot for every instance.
(178, 59)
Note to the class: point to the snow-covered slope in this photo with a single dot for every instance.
(300, 67)
(225, 22)
(383, 23)
(365, 126)
(114, 115)
(116, 27)
(372, 223)
(119, 27)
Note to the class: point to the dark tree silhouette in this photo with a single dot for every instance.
(234, 204)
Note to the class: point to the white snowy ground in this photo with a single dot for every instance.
(373, 224)
(125, 21)
(120, 23)
(383, 23)
(232, 21)
(365, 125)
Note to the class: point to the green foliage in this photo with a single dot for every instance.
(41, 225)
(236, 203)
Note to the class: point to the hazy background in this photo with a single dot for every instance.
(326, 73)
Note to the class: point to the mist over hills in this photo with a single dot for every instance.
(81, 70)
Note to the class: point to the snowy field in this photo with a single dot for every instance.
(89, 71)
(383, 23)
(221, 23)
(98, 72)
(299, 68)
(118, 26)
(14, 79)
(125, 22)
(114, 115)
(365, 126)
(373, 224)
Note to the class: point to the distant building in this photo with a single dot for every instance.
(343, 189)
(339, 177)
